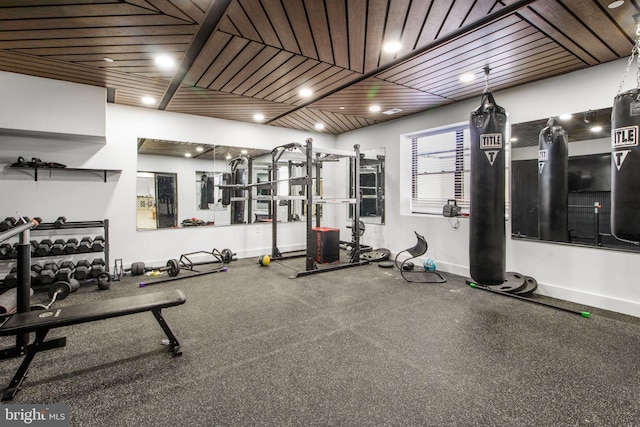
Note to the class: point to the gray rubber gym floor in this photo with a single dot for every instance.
(353, 347)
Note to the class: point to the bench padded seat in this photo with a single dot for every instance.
(104, 309)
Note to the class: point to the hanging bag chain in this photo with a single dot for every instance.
(634, 51)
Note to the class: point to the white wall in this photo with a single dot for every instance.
(33, 104)
(598, 277)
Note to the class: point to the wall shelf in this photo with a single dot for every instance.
(102, 172)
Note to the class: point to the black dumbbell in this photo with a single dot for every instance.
(13, 254)
(71, 246)
(65, 272)
(35, 273)
(11, 279)
(9, 222)
(97, 267)
(58, 223)
(98, 244)
(58, 247)
(5, 250)
(44, 247)
(85, 245)
(83, 270)
(34, 247)
(48, 273)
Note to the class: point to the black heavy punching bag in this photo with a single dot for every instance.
(553, 183)
(625, 167)
(487, 125)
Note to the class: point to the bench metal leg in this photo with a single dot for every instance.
(39, 344)
(173, 341)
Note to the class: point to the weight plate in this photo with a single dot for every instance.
(74, 283)
(513, 282)
(104, 281)
(63, 289)
(376, 255)
(385, 264)
(137, 268)
(173, 268)
(529, 288)
(227, 255)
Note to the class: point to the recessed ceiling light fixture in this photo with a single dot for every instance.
(513, 139)
(243, 151)
(107, 59)
(305, 93)
(565, 117)
(467, 77)
(392, 47)
(228, 156)
(615, 4)
(164, 61)
(258, 117)
(148, 100)
(199, 149)
(596, 128)
(187, 154)
(374, 108)
(319, 126)
(392, 111)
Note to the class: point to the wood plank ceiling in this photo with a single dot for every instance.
(236, 58)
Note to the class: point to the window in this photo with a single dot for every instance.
(440, 163)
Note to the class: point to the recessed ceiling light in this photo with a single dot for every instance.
(374, 108)
(164, 61)
(565, 117)
(187, 154)
(305, 92)
(467, 77)
(148, 100)
(596, 128)
(342, 108)
(258, 117)
(392, 47)
(199, 149)
(319, 126)
(243, 151)
(615, 4)
(513, 139)
(392, 111)
(107, 59)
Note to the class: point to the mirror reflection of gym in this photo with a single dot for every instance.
(588, 178)
(156, 201)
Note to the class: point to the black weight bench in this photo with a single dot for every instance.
(41, 322)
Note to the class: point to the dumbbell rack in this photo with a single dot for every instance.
(67, 230)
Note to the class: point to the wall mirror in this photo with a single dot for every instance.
(156, 201)
(587, 209)
(371, 176)
(208, 179)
